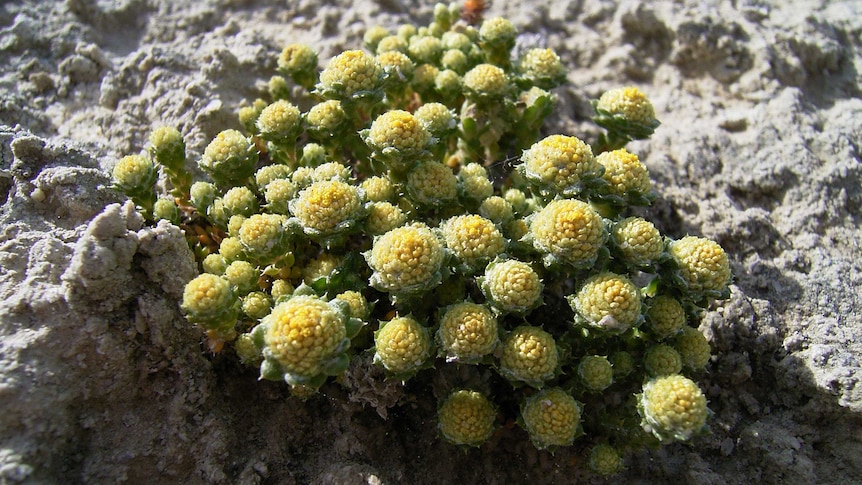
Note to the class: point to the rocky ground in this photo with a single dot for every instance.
(103, 381)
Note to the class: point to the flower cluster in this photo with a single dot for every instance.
(413, 194)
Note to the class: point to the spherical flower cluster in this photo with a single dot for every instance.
(476, 188)
(301, 338)
(231, 249)
(437, 118)
(625, 174)
(378, 189)
(665, 316)
(397, 136)
(568, 231)
(279, 122)
(391, 43)
(278, 195)
(703, 264)
(425, 49)
(596, 373)
(210, 301)
(264, 237)
(552, 417)
(297, 58)
(230, 158)
(560, 164)
(529, 354)
(135, 174)
(242, 276)
(605, 460)
(383, 217)
(397, 66)
(543, 68)
(608, 301)
(406, 260)
(662, 360)
(202, 195)
(269, 173)
(350, 75)
(168, 147)
(373, 36)
(432, 184)
(486, 82)
(498, 31)
(327, 207)
(693, 348)
(638, 240)
(447, 83)
(672, 408)
(240, 201)
(357, 303)
(320, 267)
(326, 120)
(468, 332)
(402, 345)
(256, 305)
(512, 286)
(497, 209)
(466, 418)
(473, 239)
(629, 103)
(331, 171)
(455, 60)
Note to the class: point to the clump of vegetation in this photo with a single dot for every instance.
(386, 206)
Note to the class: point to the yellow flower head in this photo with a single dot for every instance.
(207, 296)
(665, 316)
(486, 81)
(672, 408)
(693, 348)
(468, 332)
(437, 118)
(406, 260)
(569, 231)
(402, 345)
(229, 157)
(473, 239)
(605, 460)
(662, 360)
(638, 240)
(552, 417)
(512, 286)
(279, 122)
(466, 418)
(135, 173)
(560, 164)
(543, 68)
(624, 173)
(529, 354)
(383, 217)
(349, 74)
(432, 184)
(378, 189)
(398, 129)
(608, 301)
(630, 103)
(596, 373)
(326, 119)
(302, 334)
(297, 58)
(703, 264)
(327, 207)
(397, 66)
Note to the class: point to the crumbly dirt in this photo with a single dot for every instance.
(103, 381)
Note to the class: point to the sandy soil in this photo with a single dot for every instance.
(102, 380)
